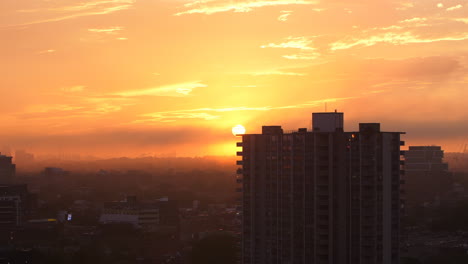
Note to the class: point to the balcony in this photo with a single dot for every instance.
(239, 153)
(238, 180)
(239, 162)
(239, 171)
(402, 143)
(239, 144)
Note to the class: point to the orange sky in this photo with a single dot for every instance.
(131, 77)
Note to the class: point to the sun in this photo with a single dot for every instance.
(238, 130)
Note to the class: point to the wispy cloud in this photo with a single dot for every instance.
(109, 30)
(82, 9)
(292, 43)
(393, 38)
(244, 86)
(217, 6)
(376, 91)
(318, 9)
(79, 6)
(198, 2)
(303, 56)
(46, 51)
(215, 113)
(301, 43)
(464, 20)
(284, 16)
(414, 19)
(83, 106)
(74, 89)
(405, 6)
(397, 84)
(64, 111)
(277, 72)
(174, 90)
(199, 113)
(414, 22)
(454, 8)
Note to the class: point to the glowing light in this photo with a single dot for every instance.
(238, 130)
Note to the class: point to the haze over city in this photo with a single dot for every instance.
(132, 77)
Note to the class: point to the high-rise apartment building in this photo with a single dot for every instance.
(16, 204)
(7, 169)
(321, 196)
(427, 175)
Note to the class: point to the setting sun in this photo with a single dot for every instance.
(238, 130)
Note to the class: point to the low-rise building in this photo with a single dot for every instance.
(148, 216)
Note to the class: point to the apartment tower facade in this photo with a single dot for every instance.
(321, 196)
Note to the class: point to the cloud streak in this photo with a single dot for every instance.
(454, 7)
(277, 72)
(218, 6)
(65, 112)
(284, 16)
(302, 56)
(209, 114)
(79, 10)
(46, 51)
(301, 43)
(74, 89)
(393, 38)
(174, 90)
(109, 31)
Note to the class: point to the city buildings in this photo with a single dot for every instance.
(427, 175)
(149, 216)
(7, 169)
(321, 196)
(16, 204)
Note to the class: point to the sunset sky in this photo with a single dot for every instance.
(145, 77)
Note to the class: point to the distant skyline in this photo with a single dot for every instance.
(125, 77)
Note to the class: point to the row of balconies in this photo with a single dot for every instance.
(239, 170)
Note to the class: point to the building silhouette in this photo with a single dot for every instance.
(16, 205)
(149, 216)
(7, 169)
(427, 175)
(321, 196)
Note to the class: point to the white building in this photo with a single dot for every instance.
(139, 215)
